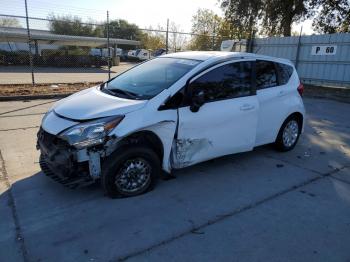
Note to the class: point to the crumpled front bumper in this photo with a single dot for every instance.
(59, 161)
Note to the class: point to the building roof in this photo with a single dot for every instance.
(8, 34)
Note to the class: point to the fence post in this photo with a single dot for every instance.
(250, 43)
(29, 44)
(108, 49)
(298, 49)
(213, 39)
(167, 36)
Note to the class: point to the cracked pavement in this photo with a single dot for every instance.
(257, 206)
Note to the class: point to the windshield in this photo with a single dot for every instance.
(150, 78)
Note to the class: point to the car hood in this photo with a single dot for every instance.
(92, 103)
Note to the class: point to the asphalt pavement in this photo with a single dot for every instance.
(257, 206)
(56, 75)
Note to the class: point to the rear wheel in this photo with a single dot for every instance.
(289, 134)
(130, 172)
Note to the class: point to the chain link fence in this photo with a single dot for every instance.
(55, 49)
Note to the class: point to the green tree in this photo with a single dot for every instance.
(242, 15)
(73, 25)
(333, 16)
(9, 22)
(275, 16)
(152, 41)
(122, 29)
(278, 16)
(205, 24)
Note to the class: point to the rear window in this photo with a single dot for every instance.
(284, 73)
(266, 75)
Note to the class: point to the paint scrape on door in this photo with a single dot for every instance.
(185, 149)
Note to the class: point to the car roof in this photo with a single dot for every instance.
(222, 55)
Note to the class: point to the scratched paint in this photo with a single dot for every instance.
(185, 149)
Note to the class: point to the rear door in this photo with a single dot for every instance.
(272, 94)
(226, 122)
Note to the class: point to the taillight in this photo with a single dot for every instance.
(300, 89)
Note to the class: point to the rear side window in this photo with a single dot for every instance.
(284, 73)
(266, 75)
(225, 82)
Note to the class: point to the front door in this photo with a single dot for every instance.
(226, 122)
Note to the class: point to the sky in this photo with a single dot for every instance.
(144, 13)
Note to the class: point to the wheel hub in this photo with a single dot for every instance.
(134, 175)
(290, 133)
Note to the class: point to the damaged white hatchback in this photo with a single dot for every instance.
(167, 113)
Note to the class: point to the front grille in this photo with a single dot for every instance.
(46, 138)
(50, 142)
(70, 182)
(56, 152)
(57, 161)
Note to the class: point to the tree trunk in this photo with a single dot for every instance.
(287, 26)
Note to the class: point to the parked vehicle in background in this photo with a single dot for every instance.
(124, 55)
(143, 54)
(171, 112)
(159, 52)
(131, 54)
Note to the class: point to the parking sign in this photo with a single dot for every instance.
(323, 50)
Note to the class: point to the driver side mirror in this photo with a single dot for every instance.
(197, 100)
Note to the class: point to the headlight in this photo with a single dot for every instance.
(90, 133)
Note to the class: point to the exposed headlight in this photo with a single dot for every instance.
(90, 133)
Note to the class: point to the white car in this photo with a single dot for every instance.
(167, 113)
(143, 54)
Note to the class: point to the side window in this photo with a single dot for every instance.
(265, 74)
(225, 82)
(284, 73)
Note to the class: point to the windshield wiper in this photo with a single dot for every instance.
(115, 91)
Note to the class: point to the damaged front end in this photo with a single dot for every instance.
(73, 157)
(59, 161)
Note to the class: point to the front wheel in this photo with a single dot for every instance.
(288, 135)
(130, 172)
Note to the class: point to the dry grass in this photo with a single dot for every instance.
(42, 89)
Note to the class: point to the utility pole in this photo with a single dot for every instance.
(29, 44)
(167, 36)
(108, 49)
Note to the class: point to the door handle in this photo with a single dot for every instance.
(247, 107)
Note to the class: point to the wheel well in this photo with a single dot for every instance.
(299, 117)
(145, 138)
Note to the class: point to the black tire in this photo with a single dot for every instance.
(280, 145)
(112, 168)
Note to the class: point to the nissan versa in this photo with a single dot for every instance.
(167, 113)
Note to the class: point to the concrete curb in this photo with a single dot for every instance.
(33, 97)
